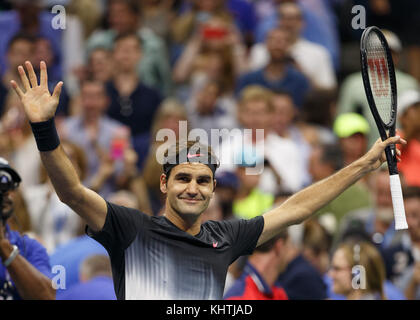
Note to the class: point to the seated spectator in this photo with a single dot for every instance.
(358, 272)
(123, 16)
(300, 279)
(207, 110)
(19, 49)
(255, 113)
(402, 260)
(257, 281)
(25, 272)
(104, 140)
(352, 130)
(278, 74)
(285, 124)
(325, 160)
(409, 118)
(95, 281)
(352, 97)
(100, 65)
(312, 59)
(132, 103)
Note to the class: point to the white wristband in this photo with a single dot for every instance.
(12, 256)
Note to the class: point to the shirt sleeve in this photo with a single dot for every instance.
(120, 228)
(244, 235)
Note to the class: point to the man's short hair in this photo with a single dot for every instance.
(267, 246)
(21, 37)
(331, 154)
(127, 35)
(254, 93)
(411, 192)
(96, 265)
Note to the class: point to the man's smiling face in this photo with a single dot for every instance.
(189, 189)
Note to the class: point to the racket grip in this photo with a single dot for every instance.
(397, 202)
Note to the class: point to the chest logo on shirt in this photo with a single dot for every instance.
(215, 244)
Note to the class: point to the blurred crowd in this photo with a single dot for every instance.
(133, 67)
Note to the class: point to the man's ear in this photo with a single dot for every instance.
(163, 183)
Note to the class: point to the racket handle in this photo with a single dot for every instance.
(397, 202)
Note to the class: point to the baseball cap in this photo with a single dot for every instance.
(407, 99)
(350, 123)
(4, 165)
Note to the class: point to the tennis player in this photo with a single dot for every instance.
(173, 256)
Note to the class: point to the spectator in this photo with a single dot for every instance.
(312, 59)
(300, 279)
(325, 160)
(358, 272)
(352, 129)
(103, 139)
(100, 65)
(255, 113)
(132, 103)
(25, 271)
(285, 124)
(123, 17)
(19, 49)
(409, 117)
(257, 282)
(207, 110)
(352, 97)
(95, 281)
(402, 260)
(278, 74)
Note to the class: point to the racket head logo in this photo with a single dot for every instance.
(379, 76)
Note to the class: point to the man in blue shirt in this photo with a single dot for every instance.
(279, 74)
(24, 266)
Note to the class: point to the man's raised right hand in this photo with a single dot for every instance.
(38, 103)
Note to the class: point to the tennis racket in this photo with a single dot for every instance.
(381, 91)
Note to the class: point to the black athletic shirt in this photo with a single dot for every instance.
(153, 259)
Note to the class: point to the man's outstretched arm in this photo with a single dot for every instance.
(305, 203)
(40, 107)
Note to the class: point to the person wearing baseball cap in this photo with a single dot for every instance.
(25, 270)
(352, 130)
(409, 119)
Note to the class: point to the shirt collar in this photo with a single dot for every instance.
(258, 279)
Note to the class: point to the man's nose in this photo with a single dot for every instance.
(192, 188)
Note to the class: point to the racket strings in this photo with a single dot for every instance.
(379, 77)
